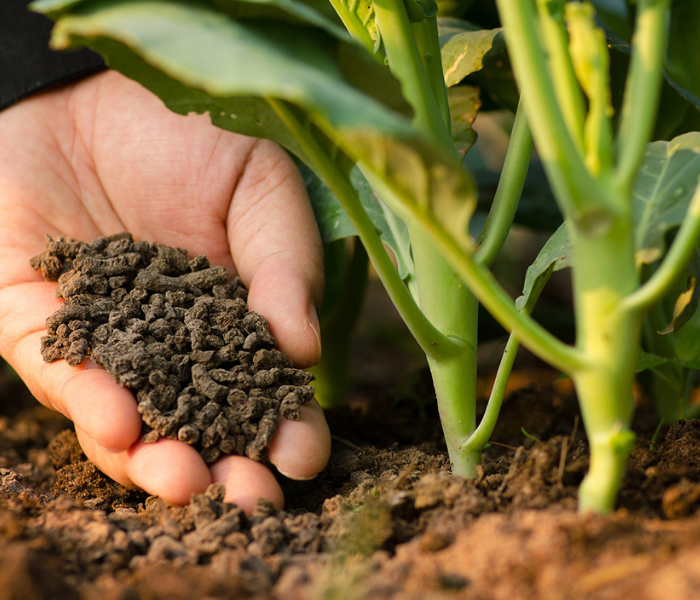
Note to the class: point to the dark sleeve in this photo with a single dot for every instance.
(27, 65)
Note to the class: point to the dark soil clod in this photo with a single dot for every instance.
(178, 333)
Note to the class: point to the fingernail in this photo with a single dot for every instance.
(296, 477)
(316, 328)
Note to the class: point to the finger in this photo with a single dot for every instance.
(167, 468)
(246, 481)
(278, 252)
(284, 300)
(86, 394)
(301, 449)
(89, 397)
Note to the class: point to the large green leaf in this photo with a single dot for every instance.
(332, 86)
(662, 191)
(207, 50)
(292, 11)
(248, 115)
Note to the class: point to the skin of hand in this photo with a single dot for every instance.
(104, 155)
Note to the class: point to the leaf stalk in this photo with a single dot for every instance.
(580, 196)
(508, 192)
(432, 341)
(641, 96)
(406, 63)
(483, 432)
(566, 86)
(671, 268)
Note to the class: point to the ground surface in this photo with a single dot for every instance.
(386, 520)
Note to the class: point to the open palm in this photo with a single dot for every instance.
(104, 156)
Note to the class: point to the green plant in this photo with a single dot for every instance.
(383, 122)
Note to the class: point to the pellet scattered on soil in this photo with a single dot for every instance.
(177, 332)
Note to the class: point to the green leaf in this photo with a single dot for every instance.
(685, 305)
(686, 341)
(478, 57)
(464, 50)
(661, 194)
(554, 256)
(464, 105)
(223, 57)
(293, 11)
(648, 361)
(662, 191)
(340, 93)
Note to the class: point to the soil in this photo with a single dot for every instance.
(385, 520)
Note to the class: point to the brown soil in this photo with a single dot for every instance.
(385, 520)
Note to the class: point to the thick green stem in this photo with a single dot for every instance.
(406, 62)
(641, 97)
(414, 57)
(426, 34)
(580, 196)
(355, 26)
(453, 309)
(566, 86)
(510, 188)
(610, 337)
(589, 54)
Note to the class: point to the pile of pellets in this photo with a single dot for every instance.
(178, 333)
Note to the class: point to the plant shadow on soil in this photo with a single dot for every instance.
(384, 520)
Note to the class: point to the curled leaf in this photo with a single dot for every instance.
(687, 302)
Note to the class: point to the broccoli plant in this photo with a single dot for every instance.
(370, 96)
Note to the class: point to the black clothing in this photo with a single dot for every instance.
(27, 64)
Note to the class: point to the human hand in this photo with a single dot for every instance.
(103, 156)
